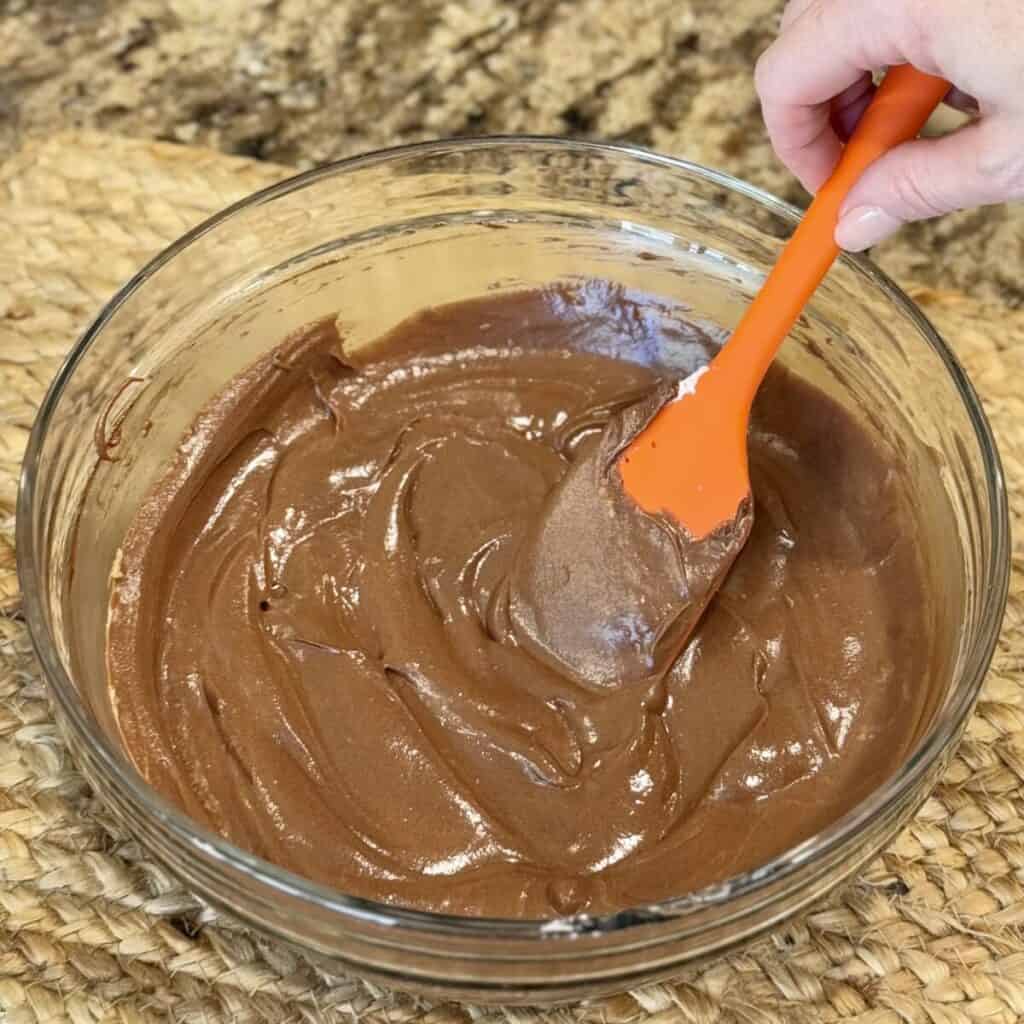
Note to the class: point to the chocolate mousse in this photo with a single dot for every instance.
(335, 634)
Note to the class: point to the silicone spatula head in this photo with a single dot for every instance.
(690, 461)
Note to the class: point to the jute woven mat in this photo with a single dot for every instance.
(92, 930)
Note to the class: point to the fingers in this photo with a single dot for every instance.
(959, 100)
(827, 50)
(848, 106)
(794, 9)
(974, 166)
(804, 140)
(809, 139)
(815, 83)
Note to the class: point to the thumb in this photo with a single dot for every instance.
(973, 166)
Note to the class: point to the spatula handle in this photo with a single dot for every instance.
(898, 111)
(691, 459)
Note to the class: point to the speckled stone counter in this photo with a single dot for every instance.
(306, 81)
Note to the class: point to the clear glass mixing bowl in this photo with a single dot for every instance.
(378, 238)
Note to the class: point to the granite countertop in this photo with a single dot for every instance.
(305, 81)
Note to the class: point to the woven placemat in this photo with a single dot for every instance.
(92, 930)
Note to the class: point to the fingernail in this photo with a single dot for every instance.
(863, 227)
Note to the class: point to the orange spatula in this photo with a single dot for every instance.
(691, 459)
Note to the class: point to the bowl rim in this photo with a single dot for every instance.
(204, 843)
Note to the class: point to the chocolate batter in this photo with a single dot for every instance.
(335, 634)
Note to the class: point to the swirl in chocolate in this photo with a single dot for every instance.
(336, 635)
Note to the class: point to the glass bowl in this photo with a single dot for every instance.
(378, 238)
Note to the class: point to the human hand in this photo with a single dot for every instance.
(815, 81)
